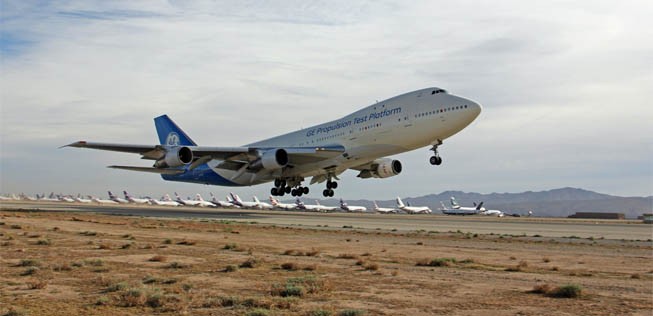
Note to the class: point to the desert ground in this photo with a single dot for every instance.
(71, 263)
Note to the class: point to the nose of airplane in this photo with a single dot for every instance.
(476, 107)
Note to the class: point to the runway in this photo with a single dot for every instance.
(545, 227)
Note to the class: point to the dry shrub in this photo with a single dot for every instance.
(36, 284)
(249, 263)
(310, 267)
(132, 297)
(546, 259)
(187, 242)
(313, 252)
(62, 267)
(635, 276)
(437, 262)
(158, 258)
(347, 256)
(542, 288)
(372, 266)
(104, 246)
(231, 268)
(555, 268)
(28, 263)
(291, 266)
(293, 252)
(513, 258)
(566, 291)
(523, 264)
(177, 265)
(30, 271)
(395, 273)
(360, 262)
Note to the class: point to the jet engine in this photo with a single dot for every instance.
(270, 160)
(175, 157)
(382, 168)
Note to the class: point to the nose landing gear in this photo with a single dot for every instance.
(436, 159)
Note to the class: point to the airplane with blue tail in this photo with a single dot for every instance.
(361, 141)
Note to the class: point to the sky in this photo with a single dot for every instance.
(566, 88)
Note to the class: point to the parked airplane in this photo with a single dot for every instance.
(200, 201)
(326, 208)
(309, 207)
(113, 197)
(348, 208)
(456, 209)
(413, 209)
(187, 202)
(283, 206)
(360, 141)
(219, 203)
(241, 203)
(164, 201)
(103, 201)
(50, 198)
(83, 200)
(384, 210)
(134, 200)
(262, 205)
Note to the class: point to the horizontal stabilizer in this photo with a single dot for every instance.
(149, 169)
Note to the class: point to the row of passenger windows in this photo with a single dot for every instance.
(452, 108)
(368, 127)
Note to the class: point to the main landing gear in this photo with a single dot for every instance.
(435, 159)
(281, 187)
(330, 185)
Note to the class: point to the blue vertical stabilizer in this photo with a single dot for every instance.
(170, 134)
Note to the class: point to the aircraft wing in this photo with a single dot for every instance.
(233, 157)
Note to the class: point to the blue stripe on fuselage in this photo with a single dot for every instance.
(202, 175)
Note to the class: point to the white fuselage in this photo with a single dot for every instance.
(399, 124)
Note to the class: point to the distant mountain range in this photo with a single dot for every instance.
(553, 203)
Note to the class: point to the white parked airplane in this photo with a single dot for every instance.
(326, 208)
(187, 202)
(201, 202)
(383, 210)
(238, 201)
(308, 207)
(83, 200)
(456, 209)
(359, 141)
(349, 208)
(413, 209)
(50, 198)
(113, 197)
(283, 206)
(219, 203)
(164, 201)
(134, 200)
(103, 201)
(262, 205)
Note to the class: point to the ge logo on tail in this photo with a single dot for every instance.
(173, 139)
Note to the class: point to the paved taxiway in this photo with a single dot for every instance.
(547, 227)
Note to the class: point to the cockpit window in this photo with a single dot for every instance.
(438, 91)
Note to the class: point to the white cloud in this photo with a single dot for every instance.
(565, 86)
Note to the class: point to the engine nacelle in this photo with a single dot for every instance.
(270, 160)
(382, 168)
(175, 157)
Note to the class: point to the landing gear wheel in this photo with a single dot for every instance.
(435, 160)
(274, 192)
(331, 193)
(326, 192)
(332, 185)
(287, 189)
(306, 190)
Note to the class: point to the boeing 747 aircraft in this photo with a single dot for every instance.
(360, 141)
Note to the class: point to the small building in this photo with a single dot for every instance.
(598, 215)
